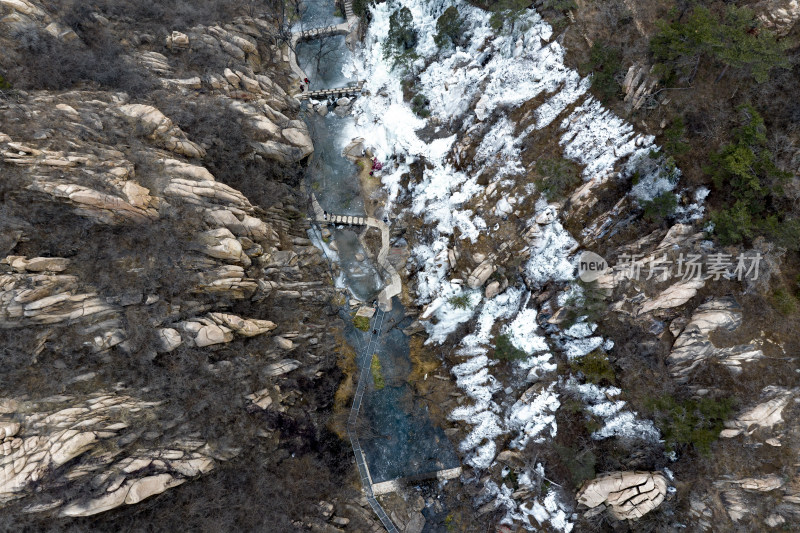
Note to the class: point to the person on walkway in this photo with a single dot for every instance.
(306, 80)
(302, 87)
(374, 331)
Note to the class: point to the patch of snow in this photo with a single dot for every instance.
(534, 418)
(618, 422)
(550, 253)
(580, 330)
(574, 348)
(598, 139)
(483, 456)
(573, 88)
(499, 148)
(431, 277)
(558, 511)
(693, 211)
(654, 175)
(552, 511)
(504, 305)
(628, 426)
(539, 362)
(449, 316)
(522, 332)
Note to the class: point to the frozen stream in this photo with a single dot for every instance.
(397, 435)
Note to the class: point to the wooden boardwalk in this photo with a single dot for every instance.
(365, 359)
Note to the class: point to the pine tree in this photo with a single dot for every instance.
(449, 27)
(735, 40)
(509, 11)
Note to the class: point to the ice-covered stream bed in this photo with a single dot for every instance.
(395, 431)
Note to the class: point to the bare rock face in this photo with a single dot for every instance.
(28, 299)
(55, 432)
(25, 13)
(262, 399)
(771, 498)
(646, 250)
(177, 40)
(282, 152)
(281, 367)
(764, 415)
(627, 495)
(693, 346)
(220, 243)
(637, 86)
(274, 135)
(36, 264)
(778, 15)
(63, 176)
(243, 326)
(354, 149)
(156, 126)
(492, 290)
(124, 257)
(674, 296)
(219, 328)
(170, 339)
(222, 205)
(481, 273)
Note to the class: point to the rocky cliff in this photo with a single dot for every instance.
(165, 320)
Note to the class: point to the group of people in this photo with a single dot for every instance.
(303, 87)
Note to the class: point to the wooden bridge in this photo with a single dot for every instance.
(319, 33)
(326, 94)
(344, 219)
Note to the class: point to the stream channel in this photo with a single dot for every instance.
(395, 431)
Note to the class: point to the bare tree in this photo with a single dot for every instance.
(321, 51)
